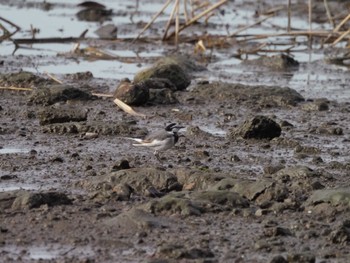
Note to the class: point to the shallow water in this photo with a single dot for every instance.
(310, 80)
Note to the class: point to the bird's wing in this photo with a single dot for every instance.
(134, 139)
(154, 143)
(159, 135)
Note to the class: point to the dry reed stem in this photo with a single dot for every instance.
(328, 12)
(168, 24)
(125, 107)
(292, 33)
(342, 23)
(16, 88)
(53, 77)
(177, 22)
(199, 16)
(341, 37)
(153, 19)
(7, 33)
(289, 15)
(102, 95)
(186, 11)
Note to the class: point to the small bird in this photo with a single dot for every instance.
(161, 140)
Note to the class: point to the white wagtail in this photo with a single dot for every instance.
(161, 140)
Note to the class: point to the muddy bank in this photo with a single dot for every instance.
(271, 186)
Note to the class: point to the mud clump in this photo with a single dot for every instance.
(24, 80)
(61, 115)
(166, 69)
(34, 200)
(259, 127)
(276, 62)
(262, 96)
(132, 94)
(57, 93)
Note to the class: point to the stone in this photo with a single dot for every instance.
(137, 219)
(275, 62)
(52, 115)
(24, 79)
(259, 95)
(303, 257)
(34, 200)
(179, 251)
(57, 93)
(170, 71)
(131, 93)
(336, 196)
(107, 31)
(259, 127)
(162, 96)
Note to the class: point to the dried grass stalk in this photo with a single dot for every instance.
(125, 107)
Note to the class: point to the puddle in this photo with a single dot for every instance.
(213, 130)
(46, 252)
(13, 150)
(14, 187)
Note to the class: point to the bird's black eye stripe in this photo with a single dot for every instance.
(170, 127)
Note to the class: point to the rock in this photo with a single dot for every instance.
(107, 31)
(34, 200)
(174, 204)
(278, 259)
(93, 14)
(303, 257)
(132, 94)
(224, 197)
(24, 79)
(277, 231)
(326, 130)
(276, 62)
(61, 114)
(158, 83)
(196, 203)
(337, 196)
(179, 251)
(317, 105)
(165, 70)
(137, 219)
(296, 172)
(142, 181)
(57, 93)
(79, 76)
(121, 165)
(262, 96)
(260, 191)
(259, 127)
(162, 96)
(122, 192)
(198, 179)
(184, 61)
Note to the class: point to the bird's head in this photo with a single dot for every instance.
(173, 127)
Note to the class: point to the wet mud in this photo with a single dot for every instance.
(261, 174)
